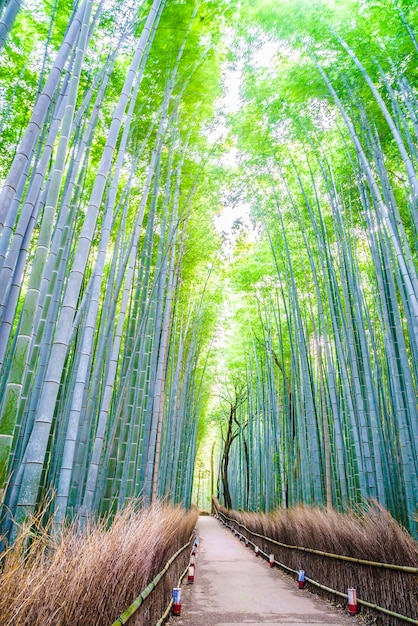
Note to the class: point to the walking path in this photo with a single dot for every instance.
(232, 586)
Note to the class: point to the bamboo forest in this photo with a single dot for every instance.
(208, 257)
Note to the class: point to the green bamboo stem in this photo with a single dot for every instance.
(126, 615)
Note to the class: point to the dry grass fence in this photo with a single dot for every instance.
(90, 577)
(371, 535)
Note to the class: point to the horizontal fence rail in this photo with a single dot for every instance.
(340, 557)
(225, 519)
(131, 610)
(170, 604)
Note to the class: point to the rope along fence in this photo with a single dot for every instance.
(131, 611)
(387, 588)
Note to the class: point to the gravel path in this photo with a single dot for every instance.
(232, 586)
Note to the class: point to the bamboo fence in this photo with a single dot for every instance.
(386, 591)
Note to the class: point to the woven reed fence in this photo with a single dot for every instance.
(93, 575)
(388, 592)
(153, 604)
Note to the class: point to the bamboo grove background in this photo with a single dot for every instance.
(114, 281)
(103, 316)
(321, 406)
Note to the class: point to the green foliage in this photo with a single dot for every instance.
(313, 311)
(314, 276)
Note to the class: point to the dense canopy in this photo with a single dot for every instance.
(208, 255)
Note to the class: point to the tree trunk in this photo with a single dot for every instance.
(225, 458)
